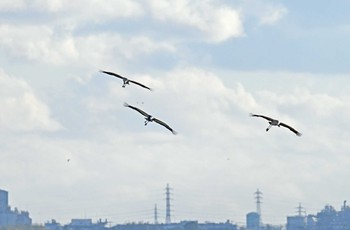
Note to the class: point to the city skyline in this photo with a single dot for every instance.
(70, 149)
(327, 218)
(167, 217)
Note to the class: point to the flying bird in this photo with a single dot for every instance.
(274, 122)
(126, 81)
(149, 118)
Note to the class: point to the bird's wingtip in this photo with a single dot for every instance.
(126, 104)
(251, 114)
(174, 132)
(299, 134)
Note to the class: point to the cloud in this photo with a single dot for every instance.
(200, 95)
(41, 43)
(21, 109)
(215, 23)
(9, 5)
(37, 43)
(78, 11)
(107, 47)
(273, 15)
(266, 13)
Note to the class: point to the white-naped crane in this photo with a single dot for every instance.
(126, 81)
(274, 122)
(149, 118)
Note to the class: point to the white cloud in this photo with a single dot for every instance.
(10, 5)
(37, 43)
(41, 43)
(107, 48)
(21, 109)
(265, 12)
(215, 23)
(84, 11)
(57, 40)
(272, 15)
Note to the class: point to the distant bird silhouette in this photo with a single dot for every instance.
(274, 122)
(126, 81)
(149, 118)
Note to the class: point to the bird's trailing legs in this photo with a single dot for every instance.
(125, 82)
(268, 128)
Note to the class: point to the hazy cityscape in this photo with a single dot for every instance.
(326, 219)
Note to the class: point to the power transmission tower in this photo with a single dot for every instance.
(300, 210)
(168, 209)
(258, 198)
(155, 214)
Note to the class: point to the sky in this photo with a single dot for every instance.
(209, 63)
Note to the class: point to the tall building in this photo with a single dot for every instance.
(3, 201)
(10, 217)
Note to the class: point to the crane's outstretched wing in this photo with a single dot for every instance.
(290, 128)
(265, 117)
(165, 125)
(114, 74)
(138, 83)
(137, 109)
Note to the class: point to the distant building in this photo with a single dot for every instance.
(217, 226)
(10, 217)
(183, 225)
(271, 227)
(296, 223)
(253, 221)
(330, 219)
(4, 207)
(53, 225)
(77, 224)
(85, 224)
(327, 219)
